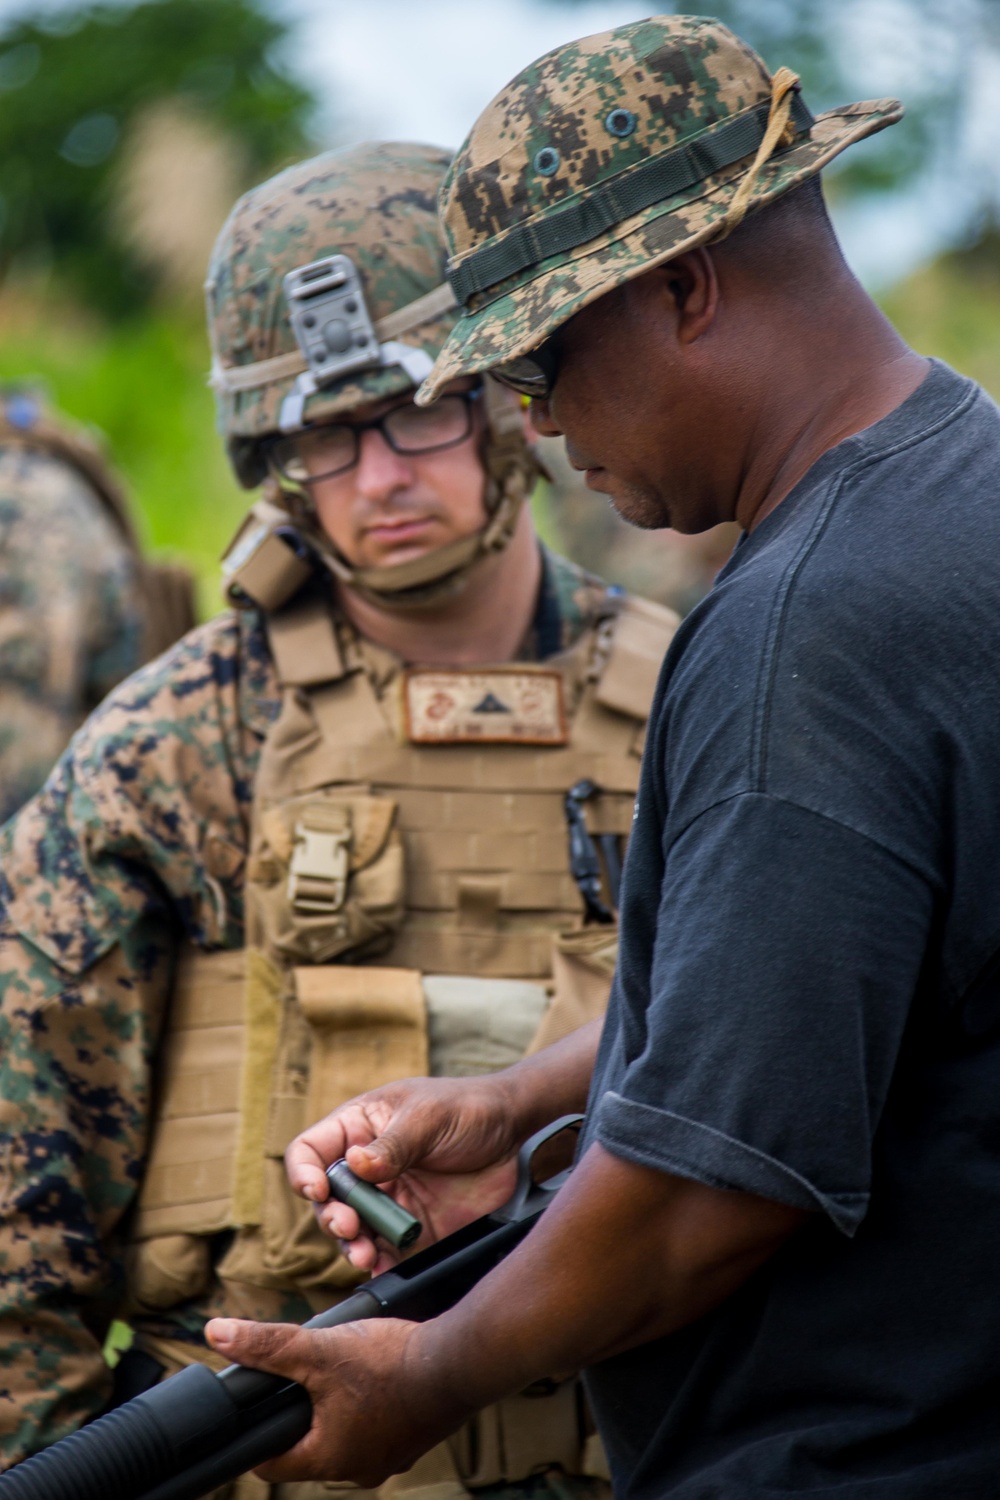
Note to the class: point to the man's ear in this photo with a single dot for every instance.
(691, 282)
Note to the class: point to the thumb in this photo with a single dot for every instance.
(276, 1348)
(390, 1154)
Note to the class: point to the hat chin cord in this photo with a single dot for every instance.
(779, 131)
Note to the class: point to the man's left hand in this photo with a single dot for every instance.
(374, 1409)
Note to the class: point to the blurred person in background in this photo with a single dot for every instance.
(79, 608)
(319, 846)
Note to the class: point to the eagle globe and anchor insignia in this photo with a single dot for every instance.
(502, 706)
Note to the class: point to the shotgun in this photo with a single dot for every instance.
(199, 1429)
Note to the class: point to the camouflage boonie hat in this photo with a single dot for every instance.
(609, 156)
(376, 204)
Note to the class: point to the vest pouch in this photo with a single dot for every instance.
(164, 1271)
(367, 1026)
(524, 1435)
(583, 966)
(328, 873)
(295, 1251)
(478, 1025)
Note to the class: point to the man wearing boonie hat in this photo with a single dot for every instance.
(776, 1256)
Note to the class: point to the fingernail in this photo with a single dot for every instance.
(308, 1191)
(221, 1330)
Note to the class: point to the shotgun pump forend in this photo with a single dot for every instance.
(199, 1430)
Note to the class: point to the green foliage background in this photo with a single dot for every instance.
(142, 382)
(68, 96)
(80, 312)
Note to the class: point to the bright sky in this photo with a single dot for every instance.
(423, 69)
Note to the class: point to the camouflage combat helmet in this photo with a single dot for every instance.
(367, 213)
(607, 157)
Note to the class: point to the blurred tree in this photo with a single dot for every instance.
(77, 85)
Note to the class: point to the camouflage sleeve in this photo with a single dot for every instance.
(136, 841)
(70, 614)
(74, 1081)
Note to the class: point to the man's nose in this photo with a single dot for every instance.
(541, 417)
(381, 470)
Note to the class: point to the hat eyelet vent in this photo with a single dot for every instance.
(621, 122)
(546, 161)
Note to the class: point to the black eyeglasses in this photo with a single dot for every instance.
(324, 451)
(532, 374)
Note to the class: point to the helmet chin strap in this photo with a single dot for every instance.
(429, 580)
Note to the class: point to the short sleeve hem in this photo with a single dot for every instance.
(668, 1142)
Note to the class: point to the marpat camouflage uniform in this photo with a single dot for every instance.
(71, 622)
(138, 840)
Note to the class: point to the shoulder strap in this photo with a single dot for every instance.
(304, 645)
(260, 563)
(640, 634)
(169, 604)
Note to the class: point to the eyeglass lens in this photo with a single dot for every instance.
(533, 374)
(321, 452)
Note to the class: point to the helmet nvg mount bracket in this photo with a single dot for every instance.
(333, 328)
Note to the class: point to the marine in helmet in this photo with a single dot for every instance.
(319, 846)
(75, 594)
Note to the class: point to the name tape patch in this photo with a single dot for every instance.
(498, 707)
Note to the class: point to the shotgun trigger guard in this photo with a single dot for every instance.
(525, 1185)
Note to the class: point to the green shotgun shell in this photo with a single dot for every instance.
(377, 1209)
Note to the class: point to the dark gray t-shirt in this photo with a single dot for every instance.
(807, 1003)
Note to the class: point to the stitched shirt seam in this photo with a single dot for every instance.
(802, 807)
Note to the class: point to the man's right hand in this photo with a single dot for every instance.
(446, 1148)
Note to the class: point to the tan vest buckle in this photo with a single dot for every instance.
(317, 874)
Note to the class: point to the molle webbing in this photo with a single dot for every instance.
(483, 826)
(260, 1044)
(632, 190)
(198, 1118)
(264, 997)
(236, 1087)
